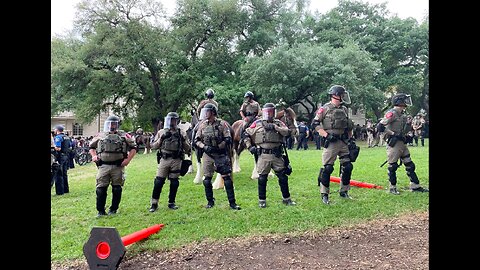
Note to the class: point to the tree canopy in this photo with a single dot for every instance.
(133, 59)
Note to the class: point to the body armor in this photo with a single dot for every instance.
(336, 118)
(112, 147)
(399, 123)
(268, 136)
(172, 141)
(212, 135)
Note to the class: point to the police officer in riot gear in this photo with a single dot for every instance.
(264, 138)
(62, 146)
(111, 150)
(395, 126)
(172, 145)
(209, 94)
(250, 109)
(214, 137)
(417, 125)
(336, 129)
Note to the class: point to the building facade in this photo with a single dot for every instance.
(75, 127)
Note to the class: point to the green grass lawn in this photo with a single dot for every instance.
(73, 215)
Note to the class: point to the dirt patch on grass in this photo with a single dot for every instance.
(398, 243)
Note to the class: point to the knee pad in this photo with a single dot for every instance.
(159, 180)
(262, 178)
(207, 181)
(101, 191)
(328, 169)
(116, 189)
(227, 180)
(410, 166)
(392, 167)
(224, 169)
(347, 167)
(174, 182)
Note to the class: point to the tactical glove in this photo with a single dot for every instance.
(269, 126)
(253, 150)
(208, 149)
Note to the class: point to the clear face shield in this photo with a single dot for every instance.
(408, 100)
(203, 114)
(268, 113)
(170, 122)
(110, 126)
(346, 98)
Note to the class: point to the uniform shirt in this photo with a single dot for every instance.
(395, 122)
(251, 107)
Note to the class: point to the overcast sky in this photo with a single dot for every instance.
(63, 11)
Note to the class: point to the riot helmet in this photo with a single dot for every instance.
(340, 91)
(171, 120)
(139, 131)
(60, 128)
(210, 93)
(209, 107)
(402, 99)
(249, 94)
(268, 111)
(111, 124)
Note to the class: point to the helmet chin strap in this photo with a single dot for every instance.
(339, 99)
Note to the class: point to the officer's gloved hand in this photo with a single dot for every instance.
(269, 126)
(253, 150)
(330, 137)
(208, 149)
(351, 140)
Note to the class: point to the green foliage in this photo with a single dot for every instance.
(73, 214)
(135, 64)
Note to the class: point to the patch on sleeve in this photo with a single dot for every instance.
(389, 115)
(253, 125)
(320, 110)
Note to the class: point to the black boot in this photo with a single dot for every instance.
(419, 189)
(207, 183)
(288, 201)
(116, 198)
(172, 206)
(230, 192)
(344, 194)
(173, 193)
(153, 208)
(262, 203)
(101, 200)
(325, 198)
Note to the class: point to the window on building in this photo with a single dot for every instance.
(77, 130)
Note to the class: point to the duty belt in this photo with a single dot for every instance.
(276, 151)
(172, 155)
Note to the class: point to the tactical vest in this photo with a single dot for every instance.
(112, 147)
(270, 136)
(335, 118)
(302, 129)
(250, 109)
(172, 141)
(212, 134)
(66, 146)
(399, 123)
